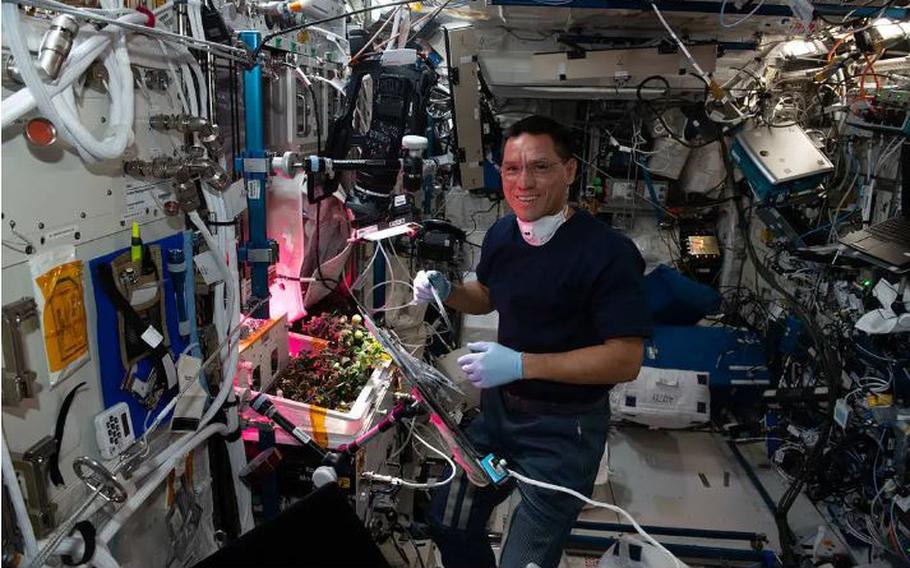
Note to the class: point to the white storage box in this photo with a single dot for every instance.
(329, 428)
(663, 398)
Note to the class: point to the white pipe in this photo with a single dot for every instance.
(395, 24)
(190, 89)
(405, 29)
(75, 547)
(172, 73)
(163, 8)
(226, 51)
(218, 252)
(136, 500)
(15, 495)
(331, 83)
(343, 45)
(197, 29)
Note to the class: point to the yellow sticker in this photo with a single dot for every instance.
(317, 421)
(303, 37)
(65, 332)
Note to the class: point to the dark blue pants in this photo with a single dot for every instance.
(563, 449)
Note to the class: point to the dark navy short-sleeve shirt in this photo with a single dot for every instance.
(584, 286)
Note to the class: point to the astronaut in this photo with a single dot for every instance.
(572, 317)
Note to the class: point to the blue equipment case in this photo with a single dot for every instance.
(732, 357)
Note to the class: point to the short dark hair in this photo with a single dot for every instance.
(538, 124)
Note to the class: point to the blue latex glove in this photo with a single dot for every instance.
(425, 280)
(490, 364)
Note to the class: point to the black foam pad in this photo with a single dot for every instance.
(306, 535)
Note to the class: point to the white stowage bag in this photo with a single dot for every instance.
(629, 552)
(285, 226)
(663, 398)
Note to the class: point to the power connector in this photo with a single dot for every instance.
(495, 468)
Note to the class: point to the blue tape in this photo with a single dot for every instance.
(110, 367)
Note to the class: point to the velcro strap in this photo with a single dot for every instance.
(87, 530)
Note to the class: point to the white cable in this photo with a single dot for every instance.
(608, 506)
(174, 453)
(393, 308)
(724, 23)
(18, 502)
(682, 46)
(414, 484)
(203, 92)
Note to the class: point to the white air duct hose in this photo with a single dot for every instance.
(62, 112)
(15, 495)
(81, 57)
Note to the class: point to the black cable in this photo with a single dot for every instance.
(829, 367)
(265, 40)
(659, 115)
(511, 32)
(474, 217)
(322, 278)
(318, 118)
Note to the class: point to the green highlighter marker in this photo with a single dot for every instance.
(136, 244)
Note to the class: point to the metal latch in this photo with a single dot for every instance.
(17, 377)
(33, 470)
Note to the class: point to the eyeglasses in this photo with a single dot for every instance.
(537, 170)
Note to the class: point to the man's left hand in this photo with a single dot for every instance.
(490, 364)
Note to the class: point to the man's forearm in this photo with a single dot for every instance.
(470, 298)
(616, 361)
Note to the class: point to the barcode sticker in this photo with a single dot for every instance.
(152, 337)
(254, 188)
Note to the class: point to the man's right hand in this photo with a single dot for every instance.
(425, 281)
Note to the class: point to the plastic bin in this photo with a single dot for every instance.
(329, 428)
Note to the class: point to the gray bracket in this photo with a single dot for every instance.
(32, 469)
(17, 377)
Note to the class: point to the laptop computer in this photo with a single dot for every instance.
(888, 242)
